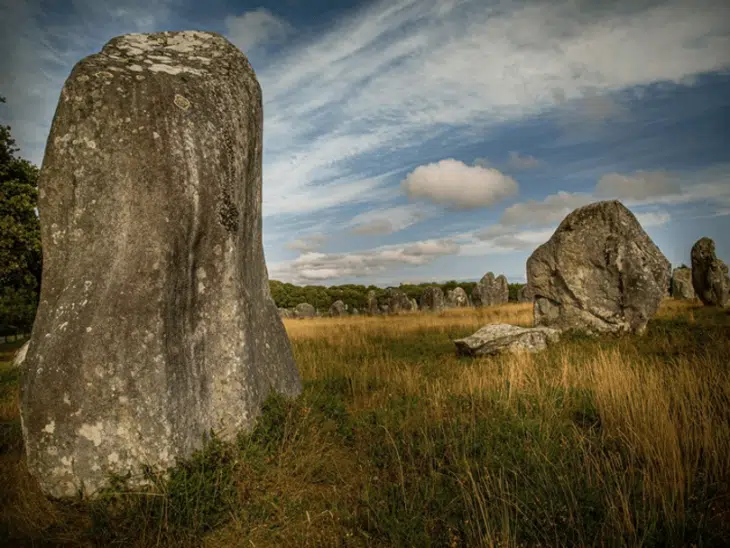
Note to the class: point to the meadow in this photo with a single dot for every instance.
(396, 441)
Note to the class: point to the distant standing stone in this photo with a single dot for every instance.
(457, 298)
(599, 272)
(432, 299)
(524, 295)
(709, 275)
(337, 309)
(491, 291)
(155, 323)
(681, 286)
(304, 310)
(372, 303)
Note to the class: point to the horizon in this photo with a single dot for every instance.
(425, 141)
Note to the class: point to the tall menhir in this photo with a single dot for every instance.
(155, 324)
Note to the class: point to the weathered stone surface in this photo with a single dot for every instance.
(490, 291)
(20, 355)
(414, 305)
(499, 338)
(599, 272)
(304, 310)
(155, 323)
(396, 301)
(337, 309)
(525, 294)
(681, 286)
(372, 303)
(709, 275)
(286, 313)
(432, 299)
(457, 298)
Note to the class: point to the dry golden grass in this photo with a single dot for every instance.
(397, 441)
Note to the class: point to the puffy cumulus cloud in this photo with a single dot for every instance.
(255, 28)
(314, 266)
(307, 243)
(641, 185)
(453, 183)
(550, 210)
(522, 161)
(389, 220)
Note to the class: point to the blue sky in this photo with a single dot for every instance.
(420, 140)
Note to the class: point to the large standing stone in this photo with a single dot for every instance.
(155, 323)
(500, 338)
(599, 272)
(304, 310)
(337, 309)
(709, 274)
(490, 291)
(457, 298)
(681, 286)
(432, 299)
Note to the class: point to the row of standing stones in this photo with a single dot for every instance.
(156, 325)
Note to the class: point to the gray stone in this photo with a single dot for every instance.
(681, 286)
(337, 309)
(599, 272)
(286, 313)
(525, 294)
(155, 323)
(499, 338)
(20, 355)
(372, 303)
(396, 301)
(355, 312)
(709, 275)
(432, 299)
(490, 291)
(304, 310)
(414, 305)
(457, 298)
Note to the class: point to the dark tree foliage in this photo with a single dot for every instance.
(20, 240)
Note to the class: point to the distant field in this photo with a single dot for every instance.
(398, 442)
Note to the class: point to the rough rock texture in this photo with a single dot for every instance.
(499, 338)
(525, 294)
(155, 323)
(681, 286)
(414, 305)
(20, 355)
(490, 291)
(599, 272)
(709, 275)
(372, 303)
(456, 298)
(432, 299)
(304, 310)
(396, 301)
(337, 309)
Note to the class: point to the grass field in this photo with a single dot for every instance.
(398, 442)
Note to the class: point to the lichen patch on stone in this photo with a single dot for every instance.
(181, 102)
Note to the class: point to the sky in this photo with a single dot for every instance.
(411, 141)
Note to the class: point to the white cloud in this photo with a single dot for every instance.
(453, 183)
(522, 161)
(551, 209)
(641, 185)
(255, 28)
(389, 220)
(653, 218)
(310, 267)
(307, 243)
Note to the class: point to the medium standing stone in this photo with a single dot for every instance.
(457, 298)
(432, 299)
(373, 308)
(337, 309)
(709, 275)
(490, 291)
(155, 323)
(681, 286)
(304, 310)
(599, 272)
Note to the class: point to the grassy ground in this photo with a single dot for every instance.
(397, 442)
